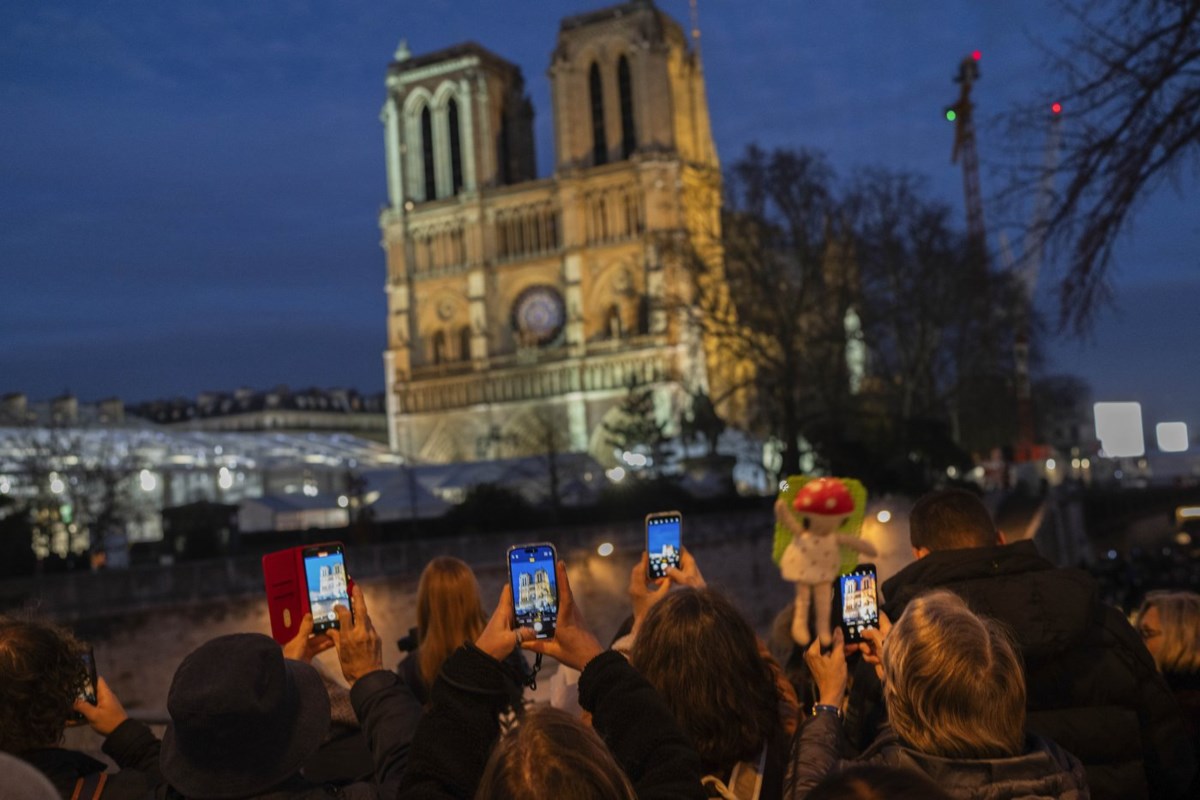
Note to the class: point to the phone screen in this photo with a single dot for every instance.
(534, 588)
(87, 687)
(325, 574)
(663, 542)
(860, 602)
(88, 692)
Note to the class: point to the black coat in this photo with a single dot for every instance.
(131, 745)
(1092, 686)
(473, 690)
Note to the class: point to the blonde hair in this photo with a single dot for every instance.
(553, 754)
(953, 681)
(449, 613)
(1179, 616)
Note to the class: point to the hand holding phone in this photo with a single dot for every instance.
(359, 648)
(664, 542)
(573, 644)
(106, 714)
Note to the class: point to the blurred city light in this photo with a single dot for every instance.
(225, 478)
(1051, 465)
(147, 480)
(1172, 436)
(616, 474)
(884, 516)
(605, 549)
(343, 501)
(1119, 429)
(951, 115)
(57, 485)
(1056, 108)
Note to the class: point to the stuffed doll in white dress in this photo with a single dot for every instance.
(817, 520)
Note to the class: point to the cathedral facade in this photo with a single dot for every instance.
(521, 310)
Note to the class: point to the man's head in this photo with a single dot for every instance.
(243, 719)
(41, 673)
(950, 519)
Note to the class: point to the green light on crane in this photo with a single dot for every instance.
(951, 115)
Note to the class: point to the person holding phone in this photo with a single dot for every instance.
(955, 693)
(44, 677)
(456, 753)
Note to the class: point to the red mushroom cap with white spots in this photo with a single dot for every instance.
(825, 497)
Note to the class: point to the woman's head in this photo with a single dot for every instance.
(552, 754)
(953, 681)
(41, 672)
(703, 657)
(449, 612)
(1169, 623)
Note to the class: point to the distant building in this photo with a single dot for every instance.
(520, 308)
(280, 409)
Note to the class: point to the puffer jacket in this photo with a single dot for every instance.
(1092, 686)
(1044, 771)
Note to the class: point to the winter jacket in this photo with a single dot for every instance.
(473, 691)
(1092, 686)
(131, 745)
(389, 714)
(1044, 771)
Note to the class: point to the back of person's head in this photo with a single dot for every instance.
(243, 718)
(953, 682)
(20, 781)
(950, 519)
(449, 612)
(702, 655)
(1179, 619)
(877, 782)
(553, 754)
(41, 673)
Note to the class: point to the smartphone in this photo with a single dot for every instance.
(858, 601)
(664, 542)
(325, 576)
(534, 588)
(87, 689)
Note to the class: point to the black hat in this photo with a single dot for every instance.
(243, 718)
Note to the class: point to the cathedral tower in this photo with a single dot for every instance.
(521, 310)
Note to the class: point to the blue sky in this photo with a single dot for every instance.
(189, 191)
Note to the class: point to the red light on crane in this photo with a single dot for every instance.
(975, 54)
(1056, 108)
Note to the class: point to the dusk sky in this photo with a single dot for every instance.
(189, 191)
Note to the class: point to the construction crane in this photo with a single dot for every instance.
(961, 114)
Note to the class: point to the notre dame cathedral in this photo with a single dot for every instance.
(519, 308)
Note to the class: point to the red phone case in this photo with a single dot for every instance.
(287, 591)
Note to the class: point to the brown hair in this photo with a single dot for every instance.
(41, 672)
(950, 519)
(953, 681)
(1179, 616)
(552, 754)
(449, 613)
(702, 655)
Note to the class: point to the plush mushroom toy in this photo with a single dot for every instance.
(811, 559)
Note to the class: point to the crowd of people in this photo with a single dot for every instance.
(992, 674)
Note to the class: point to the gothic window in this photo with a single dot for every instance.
(596, 90)
(439, 347)
(503, 147)
(614, 327)
(464, 343)
(427, 153)
(628, 131)
(456, 170)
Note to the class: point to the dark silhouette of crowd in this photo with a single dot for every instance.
(993, 674)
